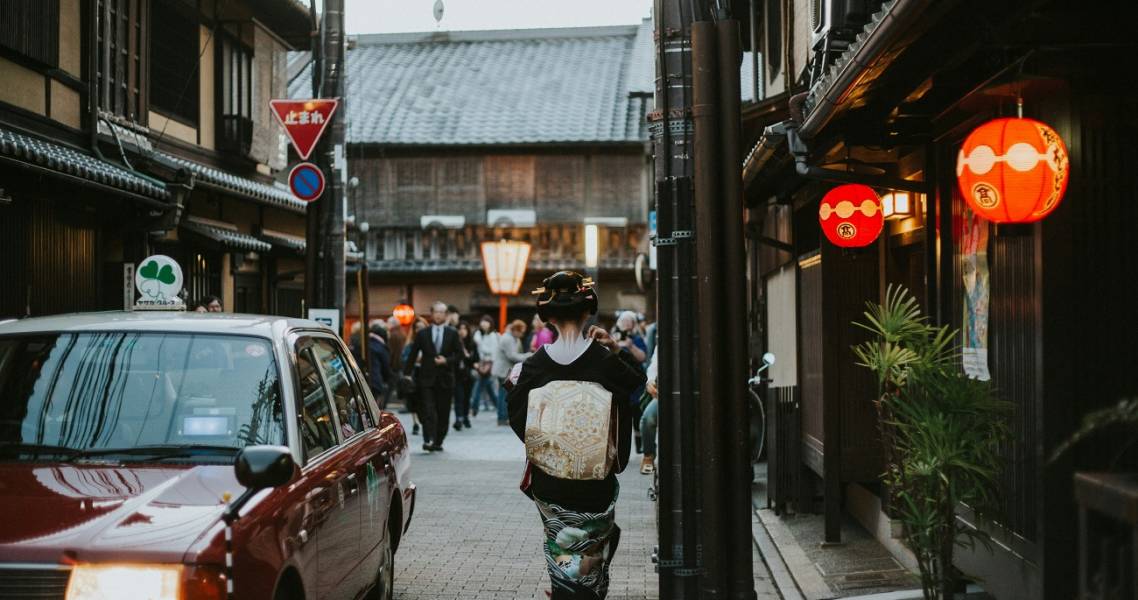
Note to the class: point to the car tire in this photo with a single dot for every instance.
(384, 588)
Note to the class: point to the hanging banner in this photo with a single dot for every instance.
(972, 234)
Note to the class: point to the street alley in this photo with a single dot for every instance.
(475, 535)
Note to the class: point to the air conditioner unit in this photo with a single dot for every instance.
(838, 21)
(511, 218)
(443, 221)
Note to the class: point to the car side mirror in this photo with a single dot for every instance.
(260, 467)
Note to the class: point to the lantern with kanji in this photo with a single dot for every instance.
(1013, 170)
(851, 215)
(404, 313)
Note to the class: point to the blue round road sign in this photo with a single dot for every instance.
(306, 181)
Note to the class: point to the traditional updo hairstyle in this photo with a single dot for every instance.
(566, 296)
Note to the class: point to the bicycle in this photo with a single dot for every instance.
(758, 411)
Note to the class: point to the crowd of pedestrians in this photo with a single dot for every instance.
(445, 365)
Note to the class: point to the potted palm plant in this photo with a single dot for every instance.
(941, 431)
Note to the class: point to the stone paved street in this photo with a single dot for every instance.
(474, 535)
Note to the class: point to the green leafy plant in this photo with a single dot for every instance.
(942, 432)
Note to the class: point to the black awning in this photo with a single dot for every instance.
(224, 235)
(63, 161)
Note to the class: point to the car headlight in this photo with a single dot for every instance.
(124, 582)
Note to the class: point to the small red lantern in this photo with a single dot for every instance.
(404, 313)
(1013, 170)
(851, 215)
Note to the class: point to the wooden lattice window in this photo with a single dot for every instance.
(174, 88)
(31, 28)
(122, 52)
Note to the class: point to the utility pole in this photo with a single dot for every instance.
(324, 265)
(670, 124)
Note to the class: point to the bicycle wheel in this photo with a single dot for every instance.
(758, 426)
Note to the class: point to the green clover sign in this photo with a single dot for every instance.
(151, 271)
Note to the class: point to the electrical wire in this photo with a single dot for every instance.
(193, 76)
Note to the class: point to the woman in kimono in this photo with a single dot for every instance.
(579, 383)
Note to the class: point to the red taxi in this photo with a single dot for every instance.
(184, 456)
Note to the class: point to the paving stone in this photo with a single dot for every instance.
(475, 535)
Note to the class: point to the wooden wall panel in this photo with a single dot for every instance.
(614, 186)
(509, 182)
(560, 188)
(459, 187)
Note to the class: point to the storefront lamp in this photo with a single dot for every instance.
(850, 215)
(592, 246)
(1013, 170)
(896, 205)
(404, 313)
(505, 265)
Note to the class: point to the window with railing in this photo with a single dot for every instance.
(555, 246)
(235, 74)
(121, 58)
(30, 28)
(174, 80)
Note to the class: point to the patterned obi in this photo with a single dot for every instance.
(571, 430)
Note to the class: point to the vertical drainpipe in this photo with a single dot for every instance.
(671, 130)
(708, 221)
(734, 347)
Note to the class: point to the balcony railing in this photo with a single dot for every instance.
(236, 134)
(555, 246)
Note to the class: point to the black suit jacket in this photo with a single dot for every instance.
(431, 374)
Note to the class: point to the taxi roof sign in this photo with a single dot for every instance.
(159, 283)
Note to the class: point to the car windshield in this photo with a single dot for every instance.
(79, 394)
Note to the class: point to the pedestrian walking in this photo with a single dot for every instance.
(379, 373)
(571, 389)
(395, 342)
(486, 339)
(408, 389)
(440, 349)
(649, 418)
(626, 332)
(541, 335)
(464, 376)
(509, 354)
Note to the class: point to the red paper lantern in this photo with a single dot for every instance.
(404, 313)
(851, 215)
(1013, 170)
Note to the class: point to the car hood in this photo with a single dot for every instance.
(60, 513)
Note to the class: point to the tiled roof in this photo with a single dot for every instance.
(821, 87)
(535, 86)
(288, 242)
(230, 238)
(275, 195)
(69, 161)
(475, 265)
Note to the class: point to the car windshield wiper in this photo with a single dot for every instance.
(161, 451)
(38, 450)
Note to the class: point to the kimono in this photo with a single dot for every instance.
(578, 515)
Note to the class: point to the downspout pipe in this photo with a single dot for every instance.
(710, 398)
(893, 24)
(733, 337)
(801, 165)
(774, 136)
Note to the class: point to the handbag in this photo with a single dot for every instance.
(571, 430)
(483, 367)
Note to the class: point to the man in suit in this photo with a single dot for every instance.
(440, 348)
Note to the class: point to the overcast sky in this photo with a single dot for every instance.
(390, 16)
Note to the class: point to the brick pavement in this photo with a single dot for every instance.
(475, 535)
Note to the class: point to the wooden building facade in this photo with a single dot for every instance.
(890, 108)
(132, 127)
(455, 138)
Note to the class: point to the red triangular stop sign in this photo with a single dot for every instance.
(304, 120)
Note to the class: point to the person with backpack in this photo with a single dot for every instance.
(576, 387)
